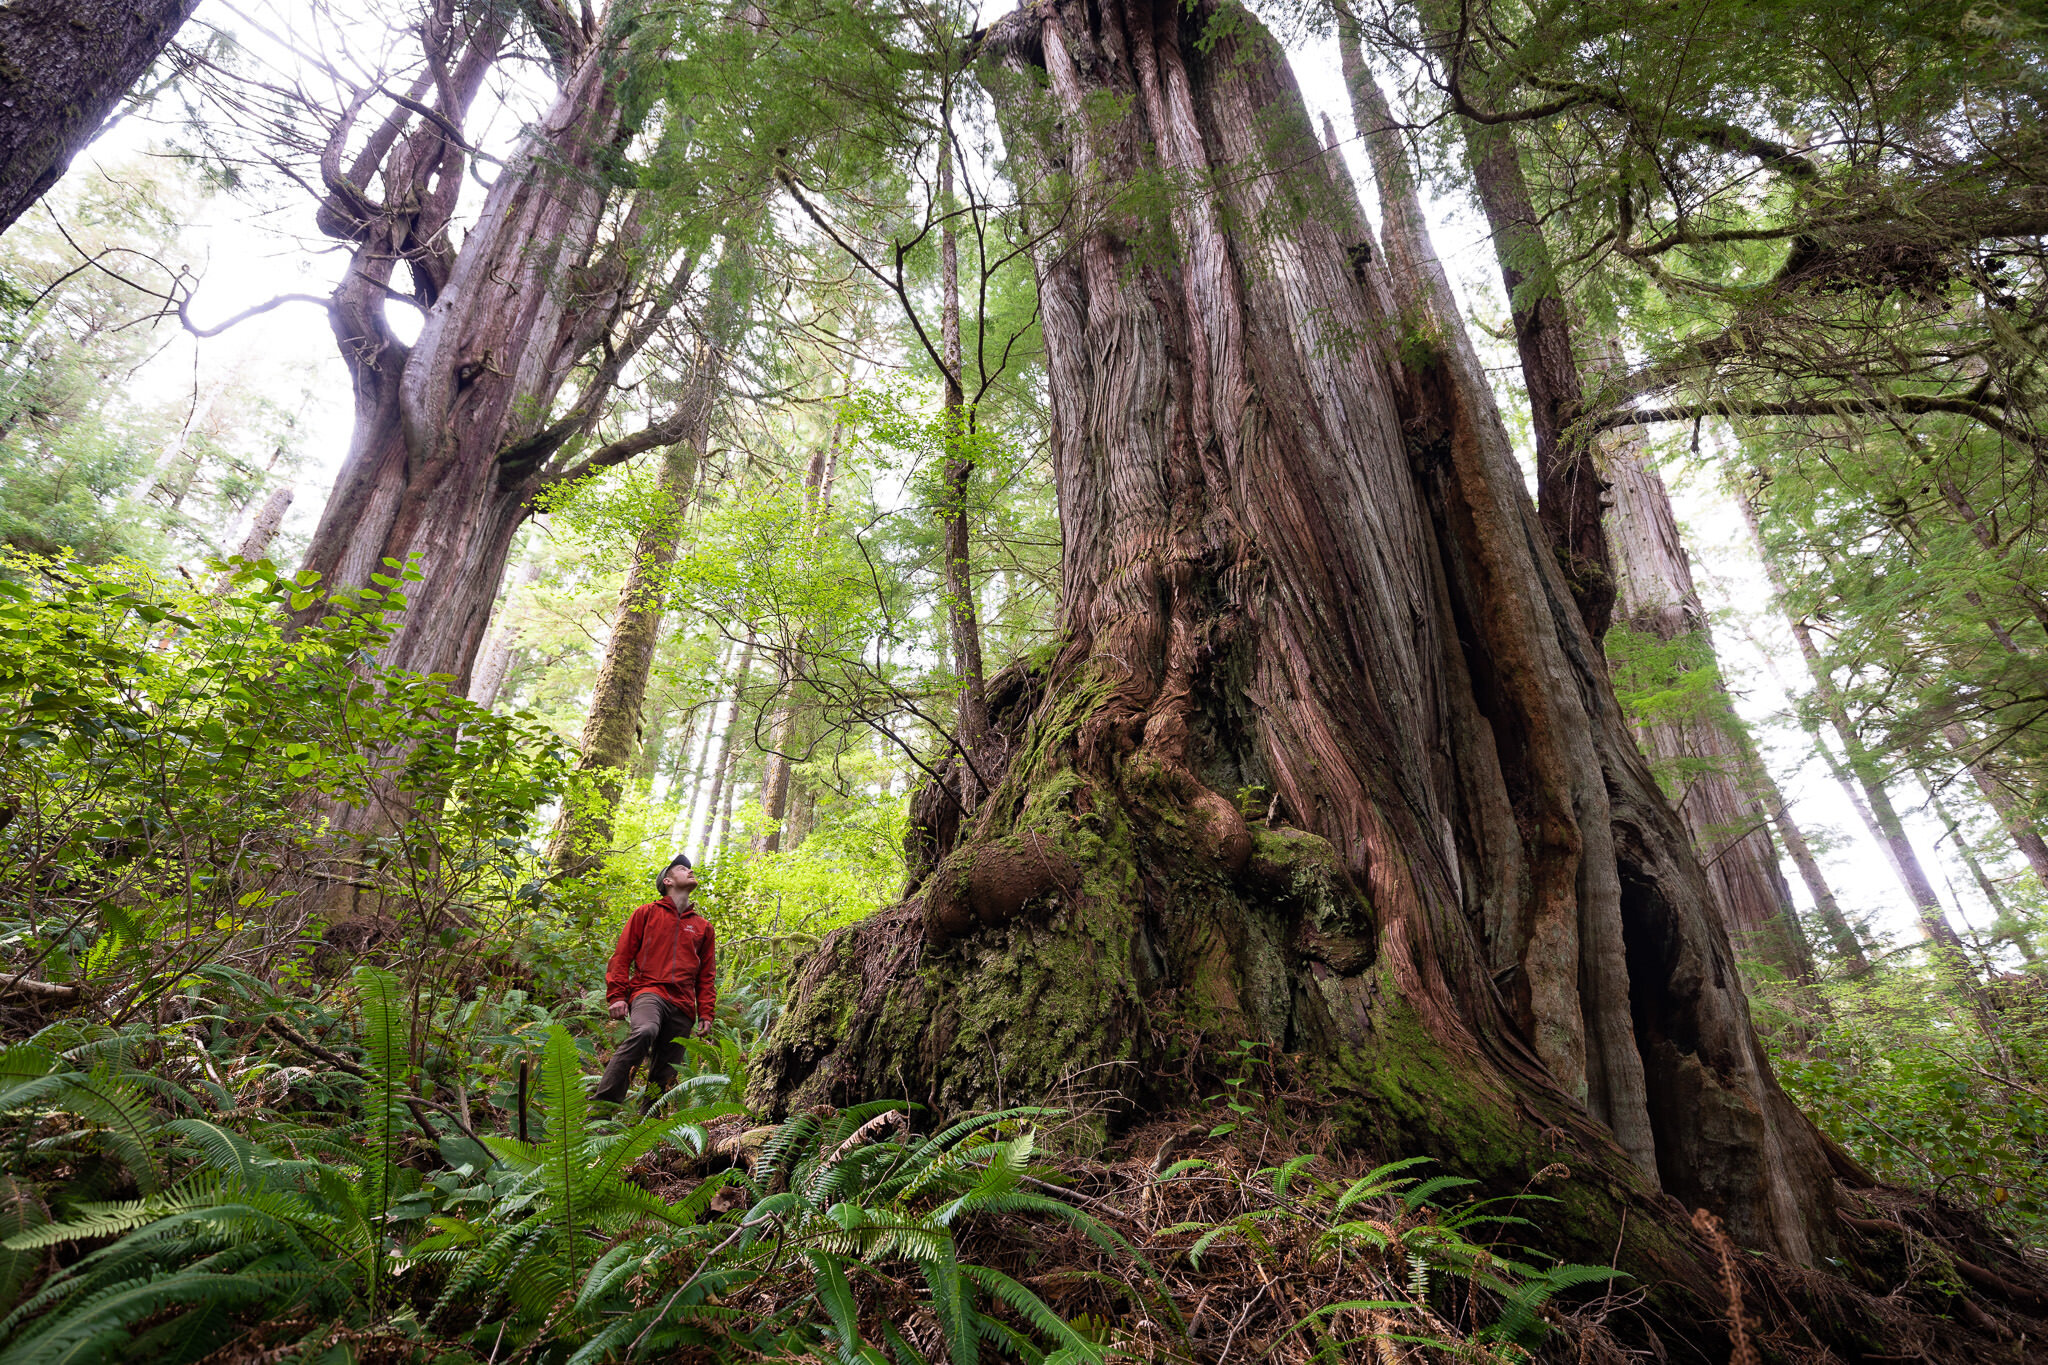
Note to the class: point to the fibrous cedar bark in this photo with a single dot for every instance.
(455, 433)
(1568, 485)
(1327, 759)
(64, 64)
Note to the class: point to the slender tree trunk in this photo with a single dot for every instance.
(1295, 563)
(654, 743)
(612, 731)
(264, 525)
(1883, 816)
(64, 65)
(775, 775)
(262, 530)
(964, 629)
(730, 771)
(497, 658)
(614, 725)
(1842, 936)
(775, 772)
(2002, 800)
(718, 806)
(696, 811)
(1730, 829)
(1988, 888)
(803, 811)
(1568, 486)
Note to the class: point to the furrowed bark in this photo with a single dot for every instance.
(64, 65)
(1568, 485)
(1300, 569)
(454, 434)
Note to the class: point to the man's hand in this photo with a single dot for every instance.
(618, 1008)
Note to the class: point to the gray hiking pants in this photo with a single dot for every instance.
(657, 1027)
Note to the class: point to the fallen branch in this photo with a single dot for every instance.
(45, 990)
(418, 1105)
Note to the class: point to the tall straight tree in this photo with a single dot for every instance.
(612, 731)
(64, 64)
(1864, 780)
(1568, 484)
(1730, 829)
(790, 663)
(1300, 565)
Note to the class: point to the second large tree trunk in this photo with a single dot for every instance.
(452, 433)
(1302, 573)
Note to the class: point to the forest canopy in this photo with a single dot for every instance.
(1344, 681)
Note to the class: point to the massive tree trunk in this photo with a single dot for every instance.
(1301, 570)
(1729, 827)
(456, 433)
(64, 64)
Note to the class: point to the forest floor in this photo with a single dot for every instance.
(1254, 1241)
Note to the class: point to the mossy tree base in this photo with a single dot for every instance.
(1326, 761)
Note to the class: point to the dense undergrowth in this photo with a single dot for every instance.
(267, 1097)
(270, 1097)
(224, 1186)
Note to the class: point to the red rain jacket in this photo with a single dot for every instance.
(671, 952)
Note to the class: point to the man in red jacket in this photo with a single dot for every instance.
(664, 974)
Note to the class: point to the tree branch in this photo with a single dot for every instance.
(1911, 404)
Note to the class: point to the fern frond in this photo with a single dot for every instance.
(1033, 1310)
(1378, 1182)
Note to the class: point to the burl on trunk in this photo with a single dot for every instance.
(1326, 759)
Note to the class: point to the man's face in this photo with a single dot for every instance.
(680, 879)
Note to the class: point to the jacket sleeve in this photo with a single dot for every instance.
(620, 971)
(707, 974)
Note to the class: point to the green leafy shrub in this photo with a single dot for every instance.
(170, 761)
(1924, 1094)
